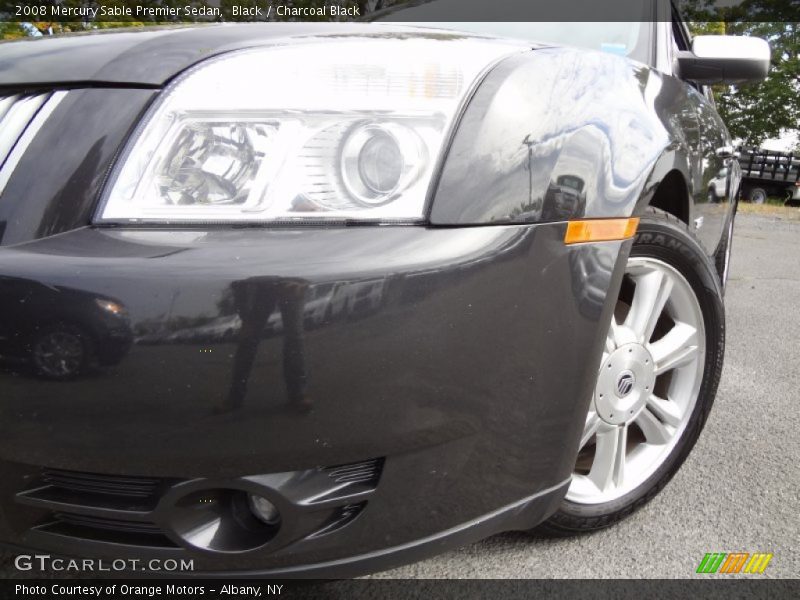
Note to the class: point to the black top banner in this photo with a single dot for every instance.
(189, 11)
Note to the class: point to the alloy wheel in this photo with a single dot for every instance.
(647, 386)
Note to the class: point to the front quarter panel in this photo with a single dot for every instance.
(556, 134)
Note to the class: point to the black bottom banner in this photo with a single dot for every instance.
(389, 589)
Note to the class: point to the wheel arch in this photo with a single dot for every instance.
(667, 188)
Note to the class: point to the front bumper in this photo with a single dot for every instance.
(443, 373)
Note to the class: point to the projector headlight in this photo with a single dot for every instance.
(343, 130)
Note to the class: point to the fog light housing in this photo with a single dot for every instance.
(220, 520)
(264, 510)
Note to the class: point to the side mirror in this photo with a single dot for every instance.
(725, 59)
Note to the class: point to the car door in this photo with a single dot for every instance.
(717, 162)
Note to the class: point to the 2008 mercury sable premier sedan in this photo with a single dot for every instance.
(377, 289)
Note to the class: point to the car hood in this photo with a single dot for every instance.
(151, 57)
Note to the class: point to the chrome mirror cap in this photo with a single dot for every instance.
(725, 59)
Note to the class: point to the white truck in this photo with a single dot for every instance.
(769, 173)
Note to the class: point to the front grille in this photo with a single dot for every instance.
(21, 116)
(16, 113)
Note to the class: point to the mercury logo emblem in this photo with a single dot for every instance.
(625, 383)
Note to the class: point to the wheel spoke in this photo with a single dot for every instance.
(651, 294)
(608, 468)
(655, 432)
(667, 411)
(676, 349)
(612, 339)
(592, 423)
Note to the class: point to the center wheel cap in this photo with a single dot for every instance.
(624, 384)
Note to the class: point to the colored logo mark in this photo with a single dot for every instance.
(735, 562)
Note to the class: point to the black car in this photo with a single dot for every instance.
(59, 331)
(392, 288)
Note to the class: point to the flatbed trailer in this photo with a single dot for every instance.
(769, 173)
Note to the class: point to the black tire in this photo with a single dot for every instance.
(61, 352)
(757, 195)
(664, 237)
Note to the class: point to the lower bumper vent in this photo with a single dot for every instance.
(368, 472)
(135, 487)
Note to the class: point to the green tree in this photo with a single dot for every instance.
(763, 110)
(12, 31)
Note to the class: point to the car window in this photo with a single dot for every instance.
(681, 41)
(624, 39)
(680, 38)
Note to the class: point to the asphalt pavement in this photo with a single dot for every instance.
(737, 492)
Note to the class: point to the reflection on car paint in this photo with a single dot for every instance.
(59, 332)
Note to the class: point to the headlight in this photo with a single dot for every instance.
(342, 130)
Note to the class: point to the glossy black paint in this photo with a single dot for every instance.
(611, 127)
(433, 348)
(57, 182)
(33, 312)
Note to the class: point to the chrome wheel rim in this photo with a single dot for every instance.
(647, 385)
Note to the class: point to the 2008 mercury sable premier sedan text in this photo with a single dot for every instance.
(314, 300)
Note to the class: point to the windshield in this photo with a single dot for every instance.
(631, 38)
(624, 39)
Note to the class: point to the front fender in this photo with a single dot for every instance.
(561, 133)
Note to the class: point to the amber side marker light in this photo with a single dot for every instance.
(600, 230)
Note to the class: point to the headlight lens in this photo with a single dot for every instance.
(342, 130)
(380, 161)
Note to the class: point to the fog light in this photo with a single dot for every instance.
(262, 508)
